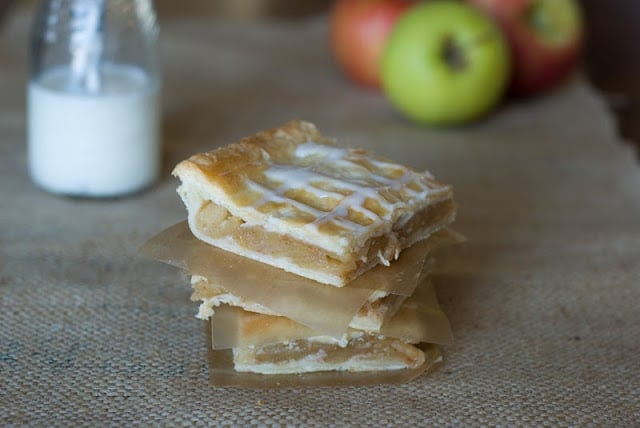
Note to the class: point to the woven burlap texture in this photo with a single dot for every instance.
(543, 298)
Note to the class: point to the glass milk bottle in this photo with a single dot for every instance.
(93, 97)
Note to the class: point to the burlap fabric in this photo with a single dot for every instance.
(543, 298)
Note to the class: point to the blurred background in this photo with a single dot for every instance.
(610, 60)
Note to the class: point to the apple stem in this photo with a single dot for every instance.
(453, 55)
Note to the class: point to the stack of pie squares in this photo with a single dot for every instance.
(308, 256)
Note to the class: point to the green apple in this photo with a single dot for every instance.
(445, 63)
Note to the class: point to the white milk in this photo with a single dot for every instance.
(94, 145)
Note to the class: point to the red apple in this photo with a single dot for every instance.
(545, 38)
(358, 31)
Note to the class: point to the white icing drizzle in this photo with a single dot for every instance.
(382, 259)
(343, 170)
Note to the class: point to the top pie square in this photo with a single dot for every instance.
(293, 198)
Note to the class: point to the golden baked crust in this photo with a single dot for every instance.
(212, 295)
(292, 198)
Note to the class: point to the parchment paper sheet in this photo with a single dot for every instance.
(221, 372)
(324, 308)
(419, 319)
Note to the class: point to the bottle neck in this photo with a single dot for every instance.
(86, 44)
(84, 36)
